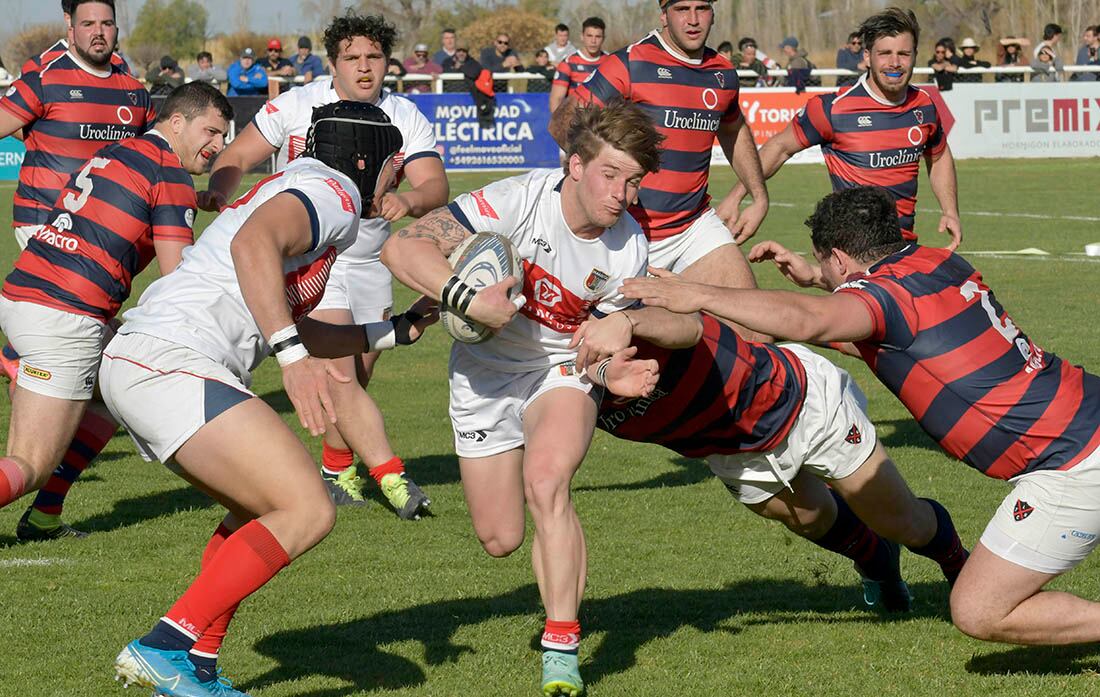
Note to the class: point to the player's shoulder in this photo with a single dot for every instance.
(627, 236)
(402, 111)
(303, 99)
(318, 178)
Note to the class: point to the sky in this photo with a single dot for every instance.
(274, 16)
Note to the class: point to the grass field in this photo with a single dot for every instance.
(689, 594)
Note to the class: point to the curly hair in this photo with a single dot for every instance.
(892, 21)
(351, 25)
(862, 222)
(622, 125)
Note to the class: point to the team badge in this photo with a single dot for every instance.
(595, 281)
(189, 217)
(133, 97)
(721, 79)
(854, 436)
(1021, 510)
(920, 115)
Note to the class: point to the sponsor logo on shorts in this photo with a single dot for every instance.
(1022, 510)
(1078, 535)
(89, 381)
(37, 373)
(854, 436)
(472, 436)
(595, 280)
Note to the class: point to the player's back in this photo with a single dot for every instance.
(722, 396)
(976, 383)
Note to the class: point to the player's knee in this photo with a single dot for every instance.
(501, 545)
(547, 493)
(971, 619)
(317, 521)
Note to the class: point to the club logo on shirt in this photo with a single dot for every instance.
(1021, 510)
(920, 115)
(721, 78)
(189, 217)
(664, 73)
(133, 97)
(863, 121)
(854, 437)
(76, 94)
(483, 206)
(595, 280)
(547, 293)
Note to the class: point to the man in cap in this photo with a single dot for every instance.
(246, 77)
(969, 59)
(275, 64)
(419, 62)
(308, 65)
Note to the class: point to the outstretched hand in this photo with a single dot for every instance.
(306, 384)
(627, 376)
(666, 290)
(793, 266)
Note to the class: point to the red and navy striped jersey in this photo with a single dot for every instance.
(978, 385)
(723, 396)
(574, 70)
(68, 112)
(101, 231)
(688, 100)
(866, 141)
(56, 51)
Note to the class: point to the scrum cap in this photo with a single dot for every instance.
(354, 138)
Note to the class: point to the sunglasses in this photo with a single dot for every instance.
(502, 43)
(855, 43)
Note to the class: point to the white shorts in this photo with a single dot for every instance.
(163, 393)
(702, 237)
(24, 234)
(1050, 520)
(487, 405)
(58, 351)
(831, 437)
(364, 287)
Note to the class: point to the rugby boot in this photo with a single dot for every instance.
(346, 488)
(561, 675)
(169, 673)
(407, 499)
(27, 530)
(891, 594)
(222, 687)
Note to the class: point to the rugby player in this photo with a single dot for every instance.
(773, 422)
(691, 94)
(877, 131)
(935, 335)
(132, 200)
(176, 377)
(575, 69)
(34, 63)
(360, 287)
(522, 417)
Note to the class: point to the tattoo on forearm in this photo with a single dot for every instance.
(438, 226)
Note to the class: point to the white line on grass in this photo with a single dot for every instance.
(9, 563)
(986, 214)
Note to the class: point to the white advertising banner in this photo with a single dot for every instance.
(1022, 119)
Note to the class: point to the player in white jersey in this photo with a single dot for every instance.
(359, 289)
(521, 415)
(177, 374)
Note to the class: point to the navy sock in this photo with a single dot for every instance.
(167, 637)
(945, 548)
(850, 537)
(206, 667)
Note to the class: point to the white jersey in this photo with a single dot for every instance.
(199, 304)
(285, 120)
(564, 276)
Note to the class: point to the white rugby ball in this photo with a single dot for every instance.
(482, 260)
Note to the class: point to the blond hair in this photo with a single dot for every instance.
(622, 125)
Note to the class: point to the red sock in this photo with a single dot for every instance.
(561, 636)
(12, 482)
(392, 466)
(334, 460)
(92, 436)
(210, 642)
(247, 560)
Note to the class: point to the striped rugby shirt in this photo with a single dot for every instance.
(574, 70)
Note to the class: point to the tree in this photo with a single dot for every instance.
(177, 27)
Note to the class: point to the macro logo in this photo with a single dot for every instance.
(1052, 115)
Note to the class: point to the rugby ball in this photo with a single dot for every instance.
(482, 260)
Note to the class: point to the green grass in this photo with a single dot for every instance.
(689, 594)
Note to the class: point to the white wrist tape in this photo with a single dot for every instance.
(287, 346)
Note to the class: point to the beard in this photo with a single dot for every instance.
(92, 59)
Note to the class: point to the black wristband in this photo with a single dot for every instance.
(285, 344)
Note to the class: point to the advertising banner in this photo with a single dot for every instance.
(1019, 119)
(518, 138)
(11, 158)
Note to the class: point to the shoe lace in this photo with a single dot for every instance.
(396, 490)
(352, 485)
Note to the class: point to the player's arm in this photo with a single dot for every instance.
(247, 150)
(417, 256)
(279, 229)
(558, 93)
(10, 125)
(169, 254)
(624, 375)
(736, 140)
(21, 105)
(598, 338)
(773, 154)
(942, 177)
(796, 316)
(430, 190)
(324, 340)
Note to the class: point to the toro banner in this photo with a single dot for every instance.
(517, 140)
(767, 112)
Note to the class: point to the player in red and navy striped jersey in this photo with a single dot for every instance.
(132, 200)
(877, 131)
(936, 336)
(62, 45)
(69, 109)
(691, 94)
(773, 422)
(577, 68)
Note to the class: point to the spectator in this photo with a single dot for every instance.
(798, 65)
(1089, 53)
(1042, 64)
(500, 58)
(275, 64)
(395, 67)
(419, 63)
(448, 39)
(477, 81)
(457, 63)
(747, 60)
(725, 49)
(1052, 35)
(308, 65)
(560, 49)
(246, 76)
(541, 67)
(943, 65)
(850, 57)
(969, 59)
(1009, 55)
(168, 78)
(204, 70)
